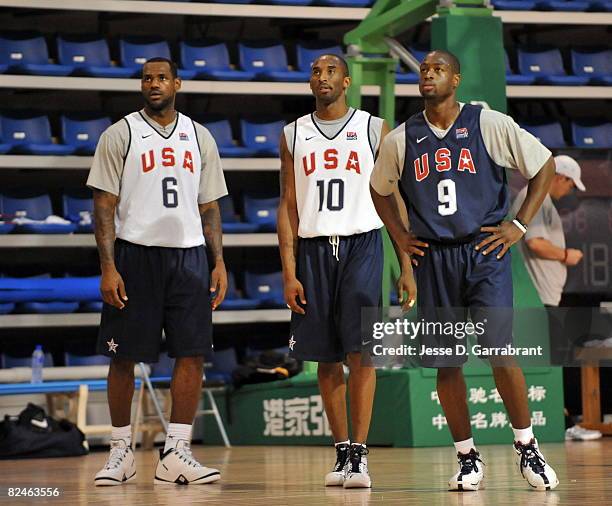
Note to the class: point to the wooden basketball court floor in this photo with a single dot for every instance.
(293, 475)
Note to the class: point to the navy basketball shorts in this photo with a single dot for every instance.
(454, 281)
(167, 289)
(336, 289)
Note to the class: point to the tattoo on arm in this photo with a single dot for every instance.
(104, 218)
(211, 225)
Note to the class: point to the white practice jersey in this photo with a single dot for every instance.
(332, 178)
(158, 204)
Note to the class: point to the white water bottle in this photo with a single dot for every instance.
(38, 362)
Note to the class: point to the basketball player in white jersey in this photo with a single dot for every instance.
(332, 255)
(156, 178)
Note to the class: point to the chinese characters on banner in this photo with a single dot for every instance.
(497, 419)
(298, 416)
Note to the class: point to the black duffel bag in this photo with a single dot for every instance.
(267, 366)
(33, 434)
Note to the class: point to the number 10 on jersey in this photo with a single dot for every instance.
(331, 194)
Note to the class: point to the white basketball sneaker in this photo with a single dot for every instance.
(177, 465)
(357, 475)
(120, 466)
(336, 477)
(470, 474)
(533, 466)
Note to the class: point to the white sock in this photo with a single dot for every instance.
(360, 444)
(124, 433)
(347, 442)
(523, 435)
(465, 446)
(176, 432)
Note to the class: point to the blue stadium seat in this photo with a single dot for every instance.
(26, 53)
(562, 5)
(549, 134)
(83, 133)
(163, 368)
(6, 307)
(221, 131)
(89, 55)
(514, 5)
(266, 288)
(233, 301)
(47, 289)
(5, 147)
(595, 63)
(512, 78)
(262, 137)
(403, 76)
(262, 212)
(34, 208)
(230, 221)
(600, 5)
(346, 3)
(9, 361)
(269, 61)
(307, 53)
(211, 61)
(75, 360)
(291, 2)
(223, 364)
(31, 134)
(418, 52)
(135, 51)
(46, 307)
(79, 210)
(90, 307)
(546, 65)
(592, 134)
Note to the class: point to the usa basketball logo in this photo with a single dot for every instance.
(351, 136)
(461, 133)
(183, 136)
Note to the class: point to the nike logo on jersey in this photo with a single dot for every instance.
(422, 139)
(145, 136)
(308, 138)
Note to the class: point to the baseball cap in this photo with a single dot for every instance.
(569, 167)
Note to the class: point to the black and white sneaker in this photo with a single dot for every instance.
(470, 474)
(336, 477)
(120, 466)
(177, 465)
(357, 475)
(533, 466)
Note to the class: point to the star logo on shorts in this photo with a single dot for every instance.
(291, 343)
(112, 345)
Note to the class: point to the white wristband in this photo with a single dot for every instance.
(519, 225)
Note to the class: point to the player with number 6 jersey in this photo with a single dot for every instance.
(156, 177)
